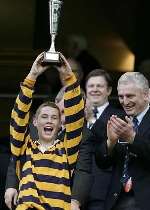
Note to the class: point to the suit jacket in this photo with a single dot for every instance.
(139, 165)
(82, 178)
(11, 178)
(94, 182)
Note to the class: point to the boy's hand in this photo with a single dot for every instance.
(37, 68)
(65, 69)
(75, 205)
(11, 195)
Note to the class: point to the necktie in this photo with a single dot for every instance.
(90, 125)
(126, 179)
(135, 124)
(125, 175)
(95, 112)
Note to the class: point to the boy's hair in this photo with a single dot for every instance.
(101, 73)
(47, 103)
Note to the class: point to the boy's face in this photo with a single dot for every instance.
(47, 123)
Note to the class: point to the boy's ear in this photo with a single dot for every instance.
(34, 121)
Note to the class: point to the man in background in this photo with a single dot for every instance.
(91, 183)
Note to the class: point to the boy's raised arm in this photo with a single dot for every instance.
(74, 111)
(20, 113)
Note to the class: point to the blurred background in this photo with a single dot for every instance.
(110, 34)
(116, 35)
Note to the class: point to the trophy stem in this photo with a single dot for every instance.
(52, 48)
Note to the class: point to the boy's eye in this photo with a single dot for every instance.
(55, 117)
(44, 116)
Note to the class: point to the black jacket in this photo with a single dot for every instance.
(92, 184)
(139, 165)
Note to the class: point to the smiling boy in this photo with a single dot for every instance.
(44, 165)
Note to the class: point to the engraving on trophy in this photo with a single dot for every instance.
(52, 56)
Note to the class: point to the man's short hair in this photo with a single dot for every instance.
(101, 73)
(134, 77)
(49, 104)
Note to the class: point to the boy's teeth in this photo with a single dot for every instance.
(48, 129)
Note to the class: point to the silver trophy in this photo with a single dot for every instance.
(51, 56)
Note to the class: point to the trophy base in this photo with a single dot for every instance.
(51, 57)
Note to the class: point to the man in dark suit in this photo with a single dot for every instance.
(90, 183)
(127, 147)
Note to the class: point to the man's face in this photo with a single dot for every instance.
(132, 98)
(47, 123)
(60, 104)
(97, 90)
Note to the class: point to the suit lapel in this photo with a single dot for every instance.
(105, 113)
(109, 111)
(145, 123)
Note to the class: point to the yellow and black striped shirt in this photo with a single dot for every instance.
(45, 177)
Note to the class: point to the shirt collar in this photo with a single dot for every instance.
(141, 115)
(101, 109)
(44, 148)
